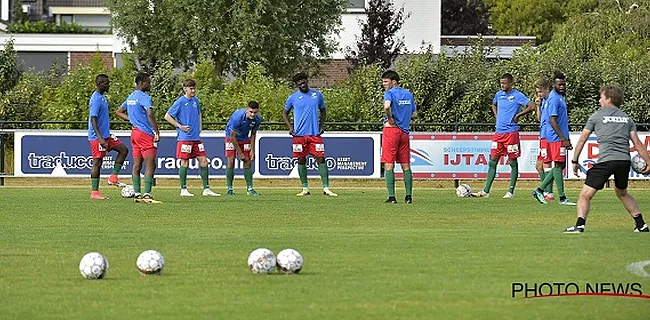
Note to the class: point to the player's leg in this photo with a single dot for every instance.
(596, 178)
(182, 177)
(404, 159)
(98, 157)
(248, 171)
(135, 175)
(512, 148)
(497, 150)
(230, 175)
(122, 152)
(548, 191)
(317, 150)
(300, 151)
(558, 176)
(205, 176)
(149, 154)
(621, 177)
(388, 158)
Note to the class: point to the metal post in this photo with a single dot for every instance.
(2, 159)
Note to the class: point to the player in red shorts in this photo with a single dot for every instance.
(100, 138)
(309, 115)
(505, 106)
(542, 89)
(185, 116)
(399, 108)
(242, 122)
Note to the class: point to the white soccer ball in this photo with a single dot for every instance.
(638, 165)
(150, 262)
(289, 261)
(464, 191)
(93, 266)
(261, 260)
(127, 191)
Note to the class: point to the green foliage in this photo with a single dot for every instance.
(23, 101)
(50, 27)
(277, 34)
(10, 70)
(526, 17)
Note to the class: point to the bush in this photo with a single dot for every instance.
(50, 27)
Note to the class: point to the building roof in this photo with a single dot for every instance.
(76, 3)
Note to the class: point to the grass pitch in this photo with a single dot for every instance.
(441, 258)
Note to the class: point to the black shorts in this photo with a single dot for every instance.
(598, 175)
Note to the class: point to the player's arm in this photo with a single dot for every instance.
(121, 112)
(321, 120)
(253, 136)
(173, 122)
(556, 127)
(641, 149)
(285, 116)
(578, 149)
(102, 141)
(530, 107)
(152, 119)
(538, 109)
(235, 143)
(200, 121)
(389, 113)
(494, 110)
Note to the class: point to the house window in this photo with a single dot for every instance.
(356, 4)
(67, 18)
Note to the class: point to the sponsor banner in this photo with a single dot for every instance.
(466, 156)
(348, 155)
(589, 155)
(67, 153)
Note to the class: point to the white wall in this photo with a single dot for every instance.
(423, 26)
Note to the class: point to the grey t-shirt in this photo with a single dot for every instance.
(612, 127)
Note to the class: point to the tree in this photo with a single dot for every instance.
(17, 14)
(526, 17)
(10, 69)
(464, 17)
(281, 35)
(379, 42)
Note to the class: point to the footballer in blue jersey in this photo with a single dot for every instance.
(138, 110)
(542, 90)
(100, 138)
(556, 119)
(185, 116)
(309, 114)
(241, 131)
(399, 109)
(506, 106)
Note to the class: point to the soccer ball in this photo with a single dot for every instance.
(150, 262)
(93, 266)
(638, 165)
(464, 191)
(289, 261)
(261, 260)
(128, 192)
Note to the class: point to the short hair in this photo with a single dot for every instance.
(299, 76)
(390, 74)
(100, 77)
(141, 77)
(508, 76)
(189, 83)
(558, 76)
(613, 93)
(253, 105)
(543, 83)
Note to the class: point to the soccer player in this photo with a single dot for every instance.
(399, 108)
(100, 138)
(542, 90)
(556, 119)
(242, 122)
(506, 107)
(185, 116)
(614, 129)
(138, 109)
(309, 115)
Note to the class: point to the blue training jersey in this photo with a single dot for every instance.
(306, 111)
(402, 106)
(239, 122)
(98, 108)
(187, 112)
(544, 125)
(508, 105)
(557, 108)
(136, 106)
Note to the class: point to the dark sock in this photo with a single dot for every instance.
(408, 182)
(514, 174)
(581, 221)
(492, 172)
(116, 168)
(95, 184)
(205, 177)
(148, 183)
(638, 219)
(389, 175)
(182, 174)
(230, 176)
(302, 172)
(248, 176)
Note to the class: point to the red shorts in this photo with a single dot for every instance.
(542, 155)
(556, 152)
(98, 151)
(142, 144)
(231, 151)
(189, 149)
(395, 146)
(506, 144)
(306, 145)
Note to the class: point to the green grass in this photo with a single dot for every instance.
(442, 257)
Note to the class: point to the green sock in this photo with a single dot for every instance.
(548, 180)
(116, 168)
(492, 172)
(302, 172)
(559, 181)
(204, 177)
(248, 176)
(182, 174)
(136, 184)
(514, 174)
(390, 182)
(549, 188)
(408, 182)
(324, 174)
(230, 176)
(95, 183)
(148, 183)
